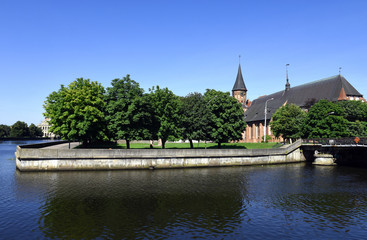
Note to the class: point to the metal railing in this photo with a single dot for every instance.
(336, 141)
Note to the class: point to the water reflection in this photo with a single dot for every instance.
(138, 204)
(294, 201)
(302, 200)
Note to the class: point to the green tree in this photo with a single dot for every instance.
(4, 131)
(357, 129)
(167, 109)
(144, 117)
(356, 113)
(128, 113)
(19, 130)
(326, 119)
(354, 110)
(35, 131)
(194, 117)
(77, 111)
(288, 122)
(226, 118)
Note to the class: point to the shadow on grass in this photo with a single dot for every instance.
(113, 145)
(227, 147)
(104, 145)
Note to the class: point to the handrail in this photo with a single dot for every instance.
(336, 141)
(294, 145)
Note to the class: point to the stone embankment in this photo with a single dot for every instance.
(31, 158)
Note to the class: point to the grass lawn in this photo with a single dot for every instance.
(186, 145)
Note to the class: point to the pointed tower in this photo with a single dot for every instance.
(287, 85)
(239, 90)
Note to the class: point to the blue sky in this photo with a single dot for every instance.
(187, 46)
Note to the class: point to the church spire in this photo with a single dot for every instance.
(287, 85)
(239, 84)
(239, 88)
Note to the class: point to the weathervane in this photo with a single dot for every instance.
(239, 59)
(340, 70)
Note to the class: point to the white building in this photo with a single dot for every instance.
(44, 125)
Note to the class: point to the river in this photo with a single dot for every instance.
(293, 201)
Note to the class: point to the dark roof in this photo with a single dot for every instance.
(239, 84)
(327, 88)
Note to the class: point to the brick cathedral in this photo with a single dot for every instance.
(335, 88)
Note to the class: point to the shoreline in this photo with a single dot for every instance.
(38, 157)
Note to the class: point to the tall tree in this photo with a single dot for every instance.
(194, 117)
(128, 114)
(77, 111)
(4, 131)
(143, 115)
(226, 121)
(326, 119)
(288, 122)
(19, 130)
(354, 110)
(35, 131)
(357, 129)
(167, 109)
(356, 114)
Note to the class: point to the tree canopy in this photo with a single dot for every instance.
(354, 110)
(226, 118)
(324, 120)
(288, 122)
(128, 115)
(77, 111)
(167, 109)
(19, 130)
(356, 113)
(84, 111)
(35, 131)
(4, 131)
(195, 117)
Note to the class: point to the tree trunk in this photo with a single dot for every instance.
(191, 144)
(163, 144)
(219, 145)
(127, 144)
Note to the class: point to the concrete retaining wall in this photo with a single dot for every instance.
(38, 159)
(42, 145)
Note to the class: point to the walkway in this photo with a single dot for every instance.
(63, 146)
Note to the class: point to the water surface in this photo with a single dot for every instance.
(294, 201)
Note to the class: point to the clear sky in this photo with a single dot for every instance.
(187, 46)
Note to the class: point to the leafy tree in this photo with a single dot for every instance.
(324, 120)
(354, 110)
(129, 114)
(167, 109)
(77, 111)
(35, 131)
(4, 131)
(288, 122)
(194, 117)
(356, 114)
(19, 130)
(143, 115)
(357, 129)
(226, 121)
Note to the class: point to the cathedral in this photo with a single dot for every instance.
(335, 88)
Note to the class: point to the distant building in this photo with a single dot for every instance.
(335, 88)
(239, 90)
(44, 125)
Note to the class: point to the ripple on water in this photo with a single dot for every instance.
(285, 201)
